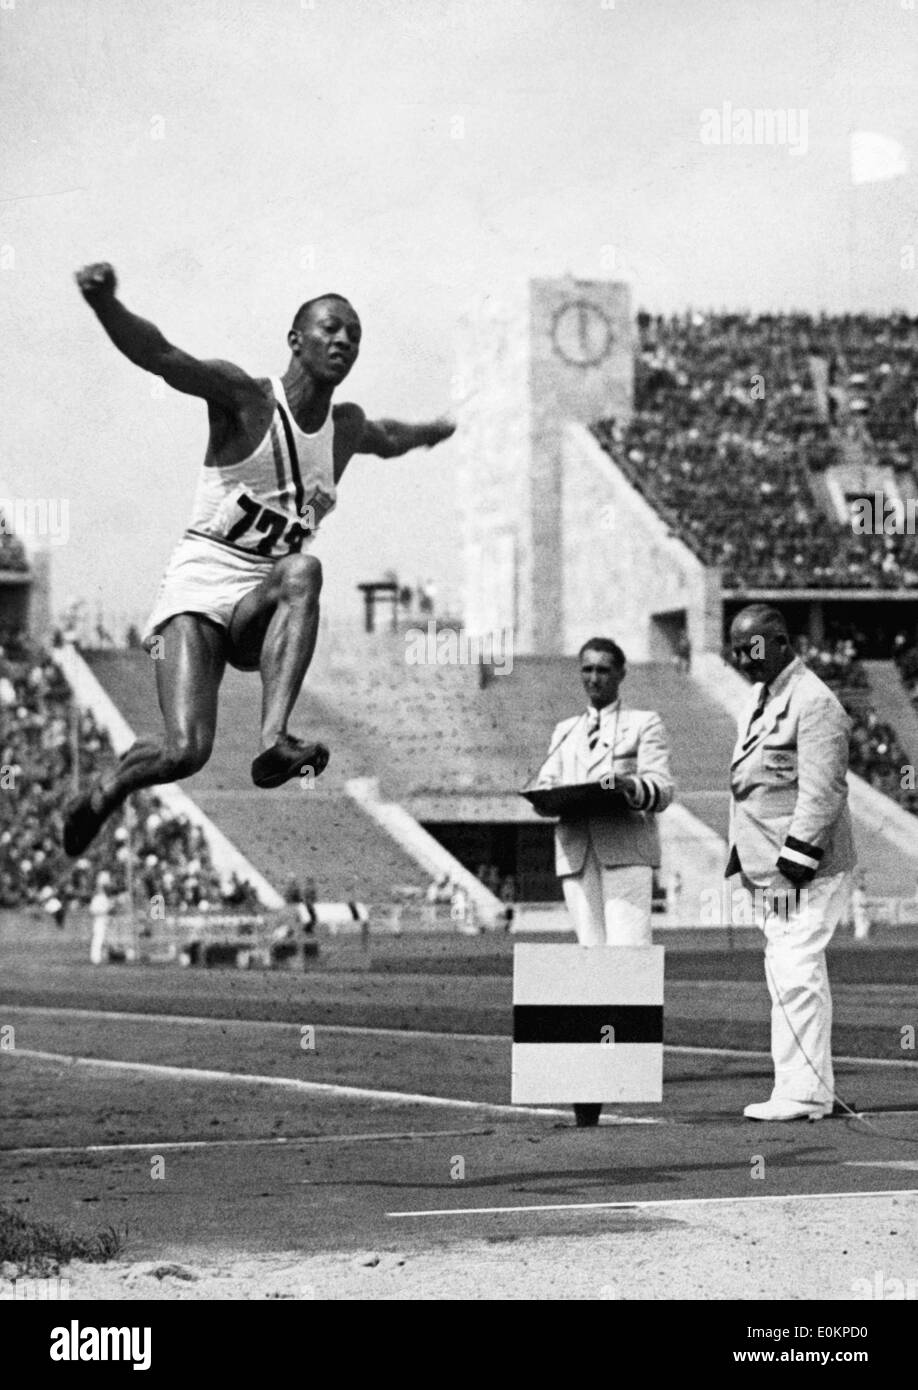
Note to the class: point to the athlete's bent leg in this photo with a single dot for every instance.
(188, 678)
(277, 625)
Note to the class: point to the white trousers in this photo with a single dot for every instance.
(97, 944)
(796, 938)
(610, 907)
(859, 914)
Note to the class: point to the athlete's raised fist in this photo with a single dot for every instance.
(97, 281)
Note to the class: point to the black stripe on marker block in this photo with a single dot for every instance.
(298, 492)
(584, 1023)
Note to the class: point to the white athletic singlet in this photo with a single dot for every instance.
(269, 503)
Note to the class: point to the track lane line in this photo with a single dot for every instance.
(660, 1202)
(327, 1088)
(198, 1020)
(272, 1140)
(357, 1030)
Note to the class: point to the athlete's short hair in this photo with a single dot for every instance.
(302, 313)
(604, 644)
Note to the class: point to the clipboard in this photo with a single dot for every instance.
(578, 801)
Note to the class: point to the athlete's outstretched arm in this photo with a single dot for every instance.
(389, 439)
(144, 345)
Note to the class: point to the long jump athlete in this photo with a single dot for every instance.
(243, 585)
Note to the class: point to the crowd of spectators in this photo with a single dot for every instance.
(875, 752)
(159, 855)
(835, 661)
(732, 421)
(871, 363)
(905, 655)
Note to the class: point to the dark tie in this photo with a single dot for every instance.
(593, 729)
(757, 715)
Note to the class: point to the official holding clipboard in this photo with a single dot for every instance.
(606, 843)
(606, 860)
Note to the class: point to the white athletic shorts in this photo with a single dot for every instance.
(205, 577)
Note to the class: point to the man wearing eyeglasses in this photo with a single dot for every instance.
(791, 845)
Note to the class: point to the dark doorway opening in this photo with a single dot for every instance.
(517, 857)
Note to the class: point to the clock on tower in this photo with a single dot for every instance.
(581, 333)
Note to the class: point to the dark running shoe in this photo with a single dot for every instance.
(586, 1116)
(82, 823)
(289, 757)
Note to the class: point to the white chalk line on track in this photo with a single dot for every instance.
(838, 1061)
(358, 1031)
(904, 1165)
(351, 1092)
(196, 1020)
(660, 1202)
(327, 1088)
(291, 1141)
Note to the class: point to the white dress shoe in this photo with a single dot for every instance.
(786, 1110)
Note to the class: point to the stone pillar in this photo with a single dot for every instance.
(529, 362)
(39, 619)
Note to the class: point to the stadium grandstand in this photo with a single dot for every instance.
(736, 423)
(50, 747)
(699, 462)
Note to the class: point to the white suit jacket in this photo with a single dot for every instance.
(631, 741)
(789, 810)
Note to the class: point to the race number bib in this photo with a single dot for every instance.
(246, 522)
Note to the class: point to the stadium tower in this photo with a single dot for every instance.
(646, 477)
(528, 365)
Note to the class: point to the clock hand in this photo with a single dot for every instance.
(582, 320)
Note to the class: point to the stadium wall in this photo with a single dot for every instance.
(491, 397)
(624, 573)
(39, 621)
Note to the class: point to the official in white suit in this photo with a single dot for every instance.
(606, 864)
(792, 847)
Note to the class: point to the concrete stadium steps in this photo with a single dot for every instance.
(431, 728)
(129, 677)
(422, 728)
(888, 872)
(890, 700)
(317, 831)
(416, 729)
(442, 731)
(292, 832)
